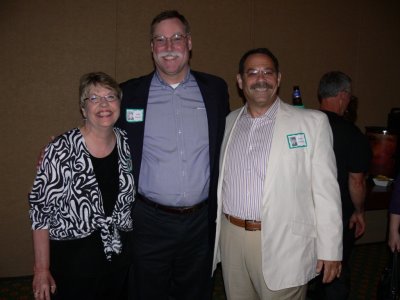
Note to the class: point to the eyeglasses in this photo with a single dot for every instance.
(176, 39)
(253, 73)
(96, 99)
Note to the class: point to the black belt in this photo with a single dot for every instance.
(172, 209)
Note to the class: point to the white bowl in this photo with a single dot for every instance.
(382, 182)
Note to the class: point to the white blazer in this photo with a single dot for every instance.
(301, 207)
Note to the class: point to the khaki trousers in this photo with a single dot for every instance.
(242, 267)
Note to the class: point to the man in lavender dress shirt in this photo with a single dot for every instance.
(175, 120)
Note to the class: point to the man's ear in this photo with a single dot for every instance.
(279, 79)
(151, 46)
(189, 42)
(239, 81)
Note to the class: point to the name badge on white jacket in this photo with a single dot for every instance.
(296, 140)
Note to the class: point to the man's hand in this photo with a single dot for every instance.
(358, 190)
(394, 241)
(41, 154)
(357, 219)
(331, 269)
(40, 158)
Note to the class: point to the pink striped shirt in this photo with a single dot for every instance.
(246, 164)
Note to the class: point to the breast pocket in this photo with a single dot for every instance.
(196, 124)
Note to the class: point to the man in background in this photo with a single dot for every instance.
(175, 120)
(353, 156)
(279, 216)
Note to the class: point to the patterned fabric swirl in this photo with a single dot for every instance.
(66, 199)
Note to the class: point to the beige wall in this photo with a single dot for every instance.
(47, 45)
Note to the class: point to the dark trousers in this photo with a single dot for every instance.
(171, 255)
(81, 270)
(112, 285)
(339, 288)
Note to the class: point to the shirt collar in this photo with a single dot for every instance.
(269, 114)
(161, 81)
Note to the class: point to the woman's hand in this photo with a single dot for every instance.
(43, 284)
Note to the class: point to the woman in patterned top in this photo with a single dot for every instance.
(81, 200)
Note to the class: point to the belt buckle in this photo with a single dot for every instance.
(247, 225)
(185, 210)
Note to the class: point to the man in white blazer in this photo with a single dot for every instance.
(279, 218)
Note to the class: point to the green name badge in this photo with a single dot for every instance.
(134, 115)
(297, 140)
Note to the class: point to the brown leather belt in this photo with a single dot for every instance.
(249, 225)
(172, 209)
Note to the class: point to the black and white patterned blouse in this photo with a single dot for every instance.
(66, 199)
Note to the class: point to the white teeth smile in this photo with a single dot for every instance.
(104, 114)
(261, 89)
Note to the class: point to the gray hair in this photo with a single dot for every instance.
(332, 83)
